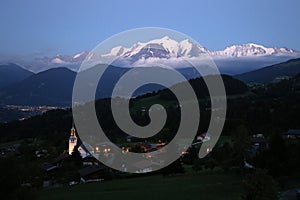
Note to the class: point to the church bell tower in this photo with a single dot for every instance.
(72, 140)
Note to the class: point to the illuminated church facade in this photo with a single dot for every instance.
(73, 141)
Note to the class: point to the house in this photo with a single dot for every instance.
(203, 137)
(292, 134)
(90, 160)
(41, 153)
(55, 162)
(129, 138)
(258, 144)
(248, 165)
(260, 141)
(10, 151)
(85, 150)
(92, 173)
(144, 166)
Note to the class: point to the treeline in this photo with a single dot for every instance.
(232, 87)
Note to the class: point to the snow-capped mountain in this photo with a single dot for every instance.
(166, 48)
(65, 59)
(170, 48)
(161, 48)
(248, 50)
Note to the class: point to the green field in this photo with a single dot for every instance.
(184, 187)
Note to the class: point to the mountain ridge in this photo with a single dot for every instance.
(12, 73)
(52, 86)
(271, 73)
(168, 51)
(185, 48)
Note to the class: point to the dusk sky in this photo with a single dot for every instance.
(69, 27)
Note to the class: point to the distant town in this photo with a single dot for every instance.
(20, 112)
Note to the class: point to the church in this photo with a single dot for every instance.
(74, 142)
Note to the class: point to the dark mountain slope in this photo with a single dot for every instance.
(12, 73)
(50, 87)
(271, 73)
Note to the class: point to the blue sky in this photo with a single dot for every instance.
(68, 26)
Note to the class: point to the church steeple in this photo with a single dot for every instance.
(72, 139)
(73, 131)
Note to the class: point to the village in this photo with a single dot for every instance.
(90, 169)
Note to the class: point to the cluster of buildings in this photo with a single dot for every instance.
(93, 170)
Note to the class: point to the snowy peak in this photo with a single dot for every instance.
(186, 48)
(190, 49)
(152, 50)
(80, 56)
(251, 49)
(117, 51)
(166, 47)
(170, 45)
(65, 59)
(167, 44)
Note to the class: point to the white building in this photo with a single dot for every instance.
(72, 140)
(85, 150)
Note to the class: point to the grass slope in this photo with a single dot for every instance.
(188, 186)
